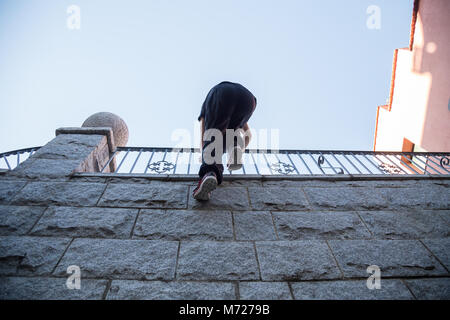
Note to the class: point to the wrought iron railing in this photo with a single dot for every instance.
(11, 159)
(186, 161)
(137, 160)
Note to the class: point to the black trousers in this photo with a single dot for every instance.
(228, 105)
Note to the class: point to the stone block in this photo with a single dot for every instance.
(184, 225)
(430, 289)
(296, 260)
(428, 196)
(86, 222)
(445, 214)
(345, 198)
(405, 224)
(144, 196)
(230, 182)
(264, 291)
(274, 198)
(47, 169)
(209, 260)
(19, 288)
(103, 131)
(441, 249)
(30, 255)
(121, 259)
(18, 220)
(59, 193)
(235, 198)
(350, 290)
(254, 225)
(8, 189)
(158, 290)
(71, 147)
(395, 258)
(319, 225)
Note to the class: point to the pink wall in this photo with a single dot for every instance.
(421, 93)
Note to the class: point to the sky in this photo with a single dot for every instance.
(318, 71)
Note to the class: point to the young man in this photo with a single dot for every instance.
(228, 105)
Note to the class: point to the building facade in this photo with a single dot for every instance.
(417, 115)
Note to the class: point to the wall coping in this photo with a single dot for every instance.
(343, 177)
(105, 131)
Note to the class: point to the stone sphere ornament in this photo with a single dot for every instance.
(108, 119)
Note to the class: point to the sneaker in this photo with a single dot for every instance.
(235, 159)
(207, 184)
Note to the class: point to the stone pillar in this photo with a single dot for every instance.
(77, 149)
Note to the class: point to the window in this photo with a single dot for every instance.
(413, 163)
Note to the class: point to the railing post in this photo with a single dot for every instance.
(77, 149)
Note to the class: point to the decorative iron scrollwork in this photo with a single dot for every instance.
(282, 167)
(389, 168)
(161, 166)
(321, 161)
(444, 162)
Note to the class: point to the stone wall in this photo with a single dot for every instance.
(263, 238)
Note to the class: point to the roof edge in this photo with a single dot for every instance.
(413, 24)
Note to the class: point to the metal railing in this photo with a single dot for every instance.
(144, 160)
(187, 161)
(11, 159)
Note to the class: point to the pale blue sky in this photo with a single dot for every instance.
(317, 70)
